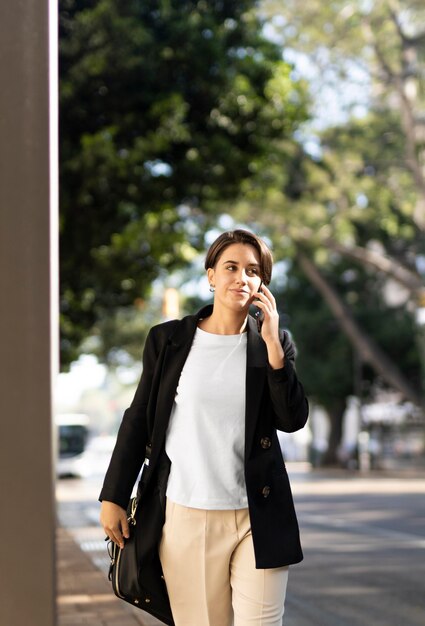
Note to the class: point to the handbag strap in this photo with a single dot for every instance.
(135, 501)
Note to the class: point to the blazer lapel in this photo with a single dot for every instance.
(255, 381)
(176, 353)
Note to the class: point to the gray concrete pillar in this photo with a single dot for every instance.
(28, 317)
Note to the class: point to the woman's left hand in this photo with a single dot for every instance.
(270, 326)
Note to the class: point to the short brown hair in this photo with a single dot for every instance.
(241, 236)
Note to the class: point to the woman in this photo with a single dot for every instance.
(215, 387)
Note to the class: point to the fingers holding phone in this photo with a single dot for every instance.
(267, 317)
(269, 327)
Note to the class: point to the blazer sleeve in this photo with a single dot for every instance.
(129, 452)
(287, 395)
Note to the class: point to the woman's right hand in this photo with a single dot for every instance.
(114, 521)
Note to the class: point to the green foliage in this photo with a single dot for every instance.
(326, 360)
(165, 109)
(376, 198)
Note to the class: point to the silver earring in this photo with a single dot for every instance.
(212, 288)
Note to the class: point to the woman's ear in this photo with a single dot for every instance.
(210, 275)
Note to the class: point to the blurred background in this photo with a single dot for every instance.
(302, 122)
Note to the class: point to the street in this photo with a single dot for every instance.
(363, 540)
(364, 549)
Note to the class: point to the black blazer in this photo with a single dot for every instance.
(274, 400)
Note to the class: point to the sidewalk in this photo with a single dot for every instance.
(84, 595)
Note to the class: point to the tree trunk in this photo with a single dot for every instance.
(366, 347)
(335, 413)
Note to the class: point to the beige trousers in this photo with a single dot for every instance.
(209, 568)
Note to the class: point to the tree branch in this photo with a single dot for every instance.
(408, 40)
(367, 348)
(398, 80)
(405, 276)
(410, 279)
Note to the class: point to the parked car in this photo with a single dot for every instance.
(73, 434)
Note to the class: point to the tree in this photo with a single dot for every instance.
(328, 364)
(386, 40)
(359, 195)
(165, 109)
(317, 215)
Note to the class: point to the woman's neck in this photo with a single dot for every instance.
(227, 323)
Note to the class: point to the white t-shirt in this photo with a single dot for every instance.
(205, 438)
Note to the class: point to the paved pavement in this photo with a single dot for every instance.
(363, 539)
(364, 545)
(84, 594)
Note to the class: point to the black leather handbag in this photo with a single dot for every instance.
(135, 571)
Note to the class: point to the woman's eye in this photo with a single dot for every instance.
(252, 271)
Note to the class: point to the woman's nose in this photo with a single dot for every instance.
(241, 277)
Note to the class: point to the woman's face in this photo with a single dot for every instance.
(236, 276)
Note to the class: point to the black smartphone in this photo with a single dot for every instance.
(259, 316)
